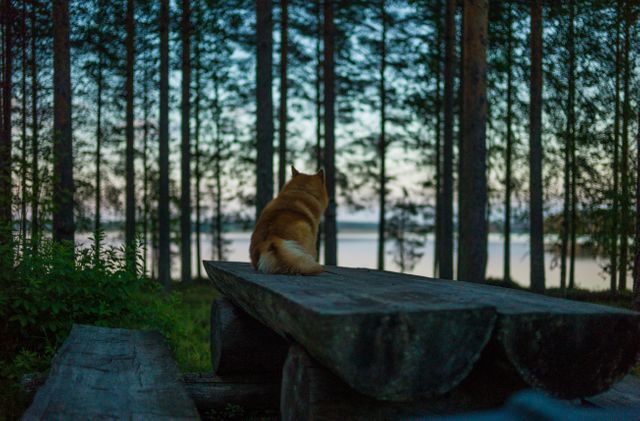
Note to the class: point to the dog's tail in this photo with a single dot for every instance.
(287, 257)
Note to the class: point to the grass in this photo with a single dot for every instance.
(194, 314)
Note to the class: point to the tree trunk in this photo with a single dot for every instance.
(446, 249)
(509, 152)
(164, 253)
(218, 173)
(23, 160)
(624, 170)
(461, 198)
(97, 231)
(318, 82)
(536, 229)
(615, 207)
(5, 129)
(330, 228)
(35, 173)
(636, 266)
(382, 145)
(264, 104)
(196, 136)
(473, 246)
(571, 131)
(438, 158)
(282, 112)
(145, 171)
(63, 186)
(185, 179)
(130, 207)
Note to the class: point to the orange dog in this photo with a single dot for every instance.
(284, 239)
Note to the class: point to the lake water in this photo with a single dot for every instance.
(358, 249)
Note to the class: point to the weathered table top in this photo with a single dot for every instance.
(102, 373)
(401, 337)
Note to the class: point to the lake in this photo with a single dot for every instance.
(359, 249)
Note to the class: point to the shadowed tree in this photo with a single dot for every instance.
(382, 141)
(5, 127)
(473, 227)
(264, 104)
(130, 207)
(508, 182)
(185, 179)
(636, 266)
(445, 260)
(282, 112)
(35, 172)
(616, 161)
(330, 228)
(164, 253)
(535, 150)
(63, 185)
(571, 141)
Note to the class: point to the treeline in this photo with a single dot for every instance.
(452, 118)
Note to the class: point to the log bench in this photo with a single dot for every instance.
(103, 373)
(381, 345)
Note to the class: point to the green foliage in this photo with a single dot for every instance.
(45, 293)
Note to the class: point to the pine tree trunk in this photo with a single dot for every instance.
(382, 145)
(282, 113)
(473, 246)
(571, 131)
(461, 197)
(636, 266)
(438, 157)
(185, 179)
(446, 249)
(196, 136)
(330, 228)
(145, 171)
(264, 104)
(509, 153)
(624, 170)
(615, 207)
(23, 160)
(164, 254)
(97, 231)
(318, 82)
(130, 206)
(5, 129)
(35, 172)
(536, 229)
(217, 224)
(63, 185)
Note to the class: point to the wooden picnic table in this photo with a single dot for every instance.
(402, 338)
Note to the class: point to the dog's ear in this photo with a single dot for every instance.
(321, 174)
(294, 172)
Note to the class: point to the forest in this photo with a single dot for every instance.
(166, 120)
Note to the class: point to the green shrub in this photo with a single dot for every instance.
(43, 294)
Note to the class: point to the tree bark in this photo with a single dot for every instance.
(5, 129)
(473, 246)
(264, 104)
(615, 208)
(63, 185)
(196, 136)
(23, 149)
(330, 228)
(164, 254)
(571, 131)
(185, 179)
(130, 207)
(446, 252)
(145, 171)
(536, 229)
(624, 170)
(282, 112)
(382, 145)
(636, 266)
(219, 245)
(318, 82)
(438, 157)
(35, 173)
(509, 153)
(97, 231)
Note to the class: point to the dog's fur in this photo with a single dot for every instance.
(284, 239)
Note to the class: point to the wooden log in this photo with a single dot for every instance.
(311, 392)
(252, 392)
(241, 344)
(401, 337)
(102, 373)
(379, 337)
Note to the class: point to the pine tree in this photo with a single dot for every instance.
(185, 180)
(130, 217)
(330, 228)
(164, 253)
(5, 127)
